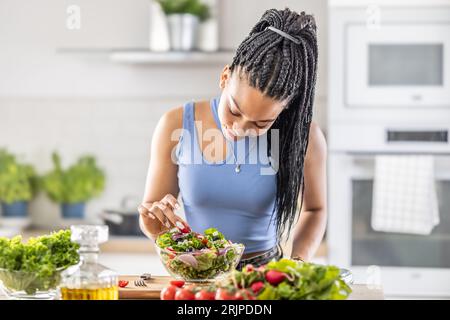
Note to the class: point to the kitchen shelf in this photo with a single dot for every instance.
(194, 57)
(142, 56)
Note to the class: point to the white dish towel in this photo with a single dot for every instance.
(404, 195)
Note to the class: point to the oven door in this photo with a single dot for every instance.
(404, 264)
(397, 65)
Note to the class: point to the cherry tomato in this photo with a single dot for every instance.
(184, 294)
(223, 294)
(123, 283)
(205, 295)
(205, 241)
(186, 229)
(274, 277)
(257, 286)
(177, 283)
(238, 296)
(168, 293)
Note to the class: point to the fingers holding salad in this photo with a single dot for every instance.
(160, 215)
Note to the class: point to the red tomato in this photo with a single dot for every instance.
(186, 229)
(123, 283)
(205, 295)
(205, 241)
(168, 293)
(274, 277)
(238, 295)
(257, 286)
(184, 294)
(223, 294)
(177, 283)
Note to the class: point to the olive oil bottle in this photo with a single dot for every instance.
(89, 280)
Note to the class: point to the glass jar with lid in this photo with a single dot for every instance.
(89, 280)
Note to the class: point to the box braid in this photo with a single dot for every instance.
(285, 71)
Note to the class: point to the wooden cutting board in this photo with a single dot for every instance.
(151, 291)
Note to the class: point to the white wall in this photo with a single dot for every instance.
(83, 103)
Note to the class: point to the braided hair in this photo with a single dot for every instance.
(285, 71)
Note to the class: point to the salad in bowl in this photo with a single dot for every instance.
(196, 257)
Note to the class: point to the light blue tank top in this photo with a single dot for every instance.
(237, 204)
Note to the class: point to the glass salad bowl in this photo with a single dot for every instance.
(30, 285)
(202, 265)
(33, 269)
(196, 257)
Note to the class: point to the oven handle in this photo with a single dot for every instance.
(361, 164)
(416, 136)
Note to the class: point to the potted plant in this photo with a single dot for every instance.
(18, 185)
(74, 186)
(183, 18)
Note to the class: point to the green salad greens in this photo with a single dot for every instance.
(36, 264)
(194, 256)
(18, 181)
(287, 279)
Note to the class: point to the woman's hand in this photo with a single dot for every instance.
(159, 216)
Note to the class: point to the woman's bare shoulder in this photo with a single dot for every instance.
(171, 122)
(172, 119)
(168, 129)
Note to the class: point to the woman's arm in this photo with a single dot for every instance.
(310, 228)
(161, 188)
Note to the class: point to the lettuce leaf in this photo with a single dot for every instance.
(205, 260)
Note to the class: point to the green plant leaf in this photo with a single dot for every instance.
(194, 7)
(18, 181)
(80, 182)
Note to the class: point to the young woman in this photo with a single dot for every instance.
(267, 91)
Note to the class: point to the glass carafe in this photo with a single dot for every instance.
(89, 280)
